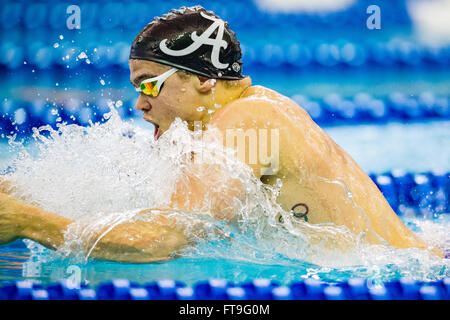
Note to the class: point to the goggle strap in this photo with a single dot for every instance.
(163, 76)
(159, 79)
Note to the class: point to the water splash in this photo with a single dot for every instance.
(105, 174)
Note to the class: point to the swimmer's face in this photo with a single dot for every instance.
(180, 96)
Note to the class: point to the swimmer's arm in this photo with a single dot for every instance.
(269, 112)
(206, 188)
(136, 242)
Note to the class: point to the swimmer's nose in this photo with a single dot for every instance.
(142, 104)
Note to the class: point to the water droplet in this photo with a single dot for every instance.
(61, 37)
(201, 108)
(279, 183)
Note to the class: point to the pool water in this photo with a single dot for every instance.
(415, 147)
(26, 260)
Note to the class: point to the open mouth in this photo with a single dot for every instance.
(157, 133)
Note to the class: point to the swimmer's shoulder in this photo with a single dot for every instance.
(255, 103)
(261, 102)
(263, 95)
(259, 92)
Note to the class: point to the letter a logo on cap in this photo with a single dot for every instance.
(203, 39)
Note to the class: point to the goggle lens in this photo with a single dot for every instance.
(150, 89)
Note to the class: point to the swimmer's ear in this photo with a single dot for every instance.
(205, 84)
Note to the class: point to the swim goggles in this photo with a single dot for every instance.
(151, 87)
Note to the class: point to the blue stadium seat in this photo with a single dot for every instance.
(298, 55)
(11, 15)
(185, 293)
(429, 293)
(309, 289)
(334, 293)
(11, 55)
(118, 289)
(163, 289)
(282, 293)
(64, 290)
(356, 289)
(259, 289)
(214, 289)
(403, 289)
(236, 293)
(18, 290)
(36, 15)
(404, 183)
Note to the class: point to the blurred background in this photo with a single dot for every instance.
(374, 74)
(320, 53)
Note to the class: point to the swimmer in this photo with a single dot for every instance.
(188, 59)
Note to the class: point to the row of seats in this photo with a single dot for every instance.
(20, 117)
(334, 109)
(217, 289)
(239, 14)
(420, 194)
(297, 55)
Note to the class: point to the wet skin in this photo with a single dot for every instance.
(317, 176)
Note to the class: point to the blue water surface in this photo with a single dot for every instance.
(415, 147)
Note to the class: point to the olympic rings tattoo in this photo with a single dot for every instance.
(300, 215)
(297, 215)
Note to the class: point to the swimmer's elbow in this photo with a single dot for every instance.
(131, 242)
(134, 255)
(147, 252)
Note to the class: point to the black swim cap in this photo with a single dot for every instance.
(191, 39)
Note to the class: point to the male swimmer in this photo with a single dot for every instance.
(190, 58)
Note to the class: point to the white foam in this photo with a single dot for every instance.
(104, 174)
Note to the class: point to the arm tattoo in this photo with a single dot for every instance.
(300, 210)
(302, 207)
